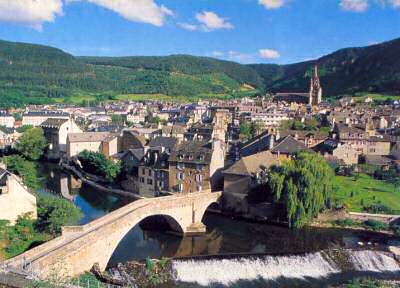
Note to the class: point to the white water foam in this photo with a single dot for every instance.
(315, 265)
(227, 271)
(374, 261)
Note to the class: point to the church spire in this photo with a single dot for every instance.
(315, 88)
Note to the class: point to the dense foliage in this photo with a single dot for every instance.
(55, 212)
(35, 74)
(373, 68)
(32, 143)
(24, 168)
(303, 185)
(21, 236)
(97, 163)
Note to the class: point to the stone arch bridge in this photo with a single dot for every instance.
(79, 247)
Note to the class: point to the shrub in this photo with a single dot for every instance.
(376, 225)
(378, 209)
(97, 163)
(346, 222)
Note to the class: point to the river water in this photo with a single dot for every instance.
(224, 236)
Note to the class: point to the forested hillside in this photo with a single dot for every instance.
(374, 68)
(32, 74)
(39, 74)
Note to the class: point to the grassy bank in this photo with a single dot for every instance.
(360, 97)
(357, 192)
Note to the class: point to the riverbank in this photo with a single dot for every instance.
(319, 269)
(86, 179)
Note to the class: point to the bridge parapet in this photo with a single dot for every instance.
(79, 247)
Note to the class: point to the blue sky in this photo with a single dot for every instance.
(247, 31)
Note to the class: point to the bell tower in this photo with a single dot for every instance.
(315, 89)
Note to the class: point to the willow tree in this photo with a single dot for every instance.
(303, 185)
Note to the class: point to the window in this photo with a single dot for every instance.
(149, 182)
(199, 167)
(199, 178)
(149, 172)
(199, 188)
(141, 179)
(181, 166)
(179, 187)
(143, 171)
(180, 176)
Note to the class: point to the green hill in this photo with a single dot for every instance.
(39, 74)
(34, 74)
(374, 68)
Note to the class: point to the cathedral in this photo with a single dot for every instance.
(315, 89)
(313, 97)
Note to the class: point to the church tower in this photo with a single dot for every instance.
(315, 89)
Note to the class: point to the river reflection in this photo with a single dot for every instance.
(224, 235)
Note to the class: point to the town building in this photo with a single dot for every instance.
(196, 166)
(36, 118)
(56, 132)
(15, 198)
(6, 119)
(104, 142)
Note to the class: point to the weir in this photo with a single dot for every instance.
(319, 266)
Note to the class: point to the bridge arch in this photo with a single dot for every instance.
(80, 247)
(131, 242)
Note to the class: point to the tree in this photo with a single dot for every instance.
(245, 130)
(303, 185)
(55, 212)
(97, 163)
(32, 143)
(24, 168)
(120, 119)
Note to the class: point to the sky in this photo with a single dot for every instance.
(245, 31)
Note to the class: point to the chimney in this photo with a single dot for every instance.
(271, 141)
(278, 135)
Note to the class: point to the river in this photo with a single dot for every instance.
(224, 235)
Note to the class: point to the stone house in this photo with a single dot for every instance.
(131, 140)
(56, 132)
(6, 119)
(104, 142)
(309, 138)
(176, 131)
(196, 166)
(287, 147)
(36, 118)
(153, 173)
(15, 198)
(362, 141)
(240, 178)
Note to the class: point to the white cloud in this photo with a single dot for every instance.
(395, 3)
(211, 21)
(187, 26)
(217, 54)
(269, 54)
(272, 4)
(30, 12)
(146, 11)
(241, 57)
(354, 5)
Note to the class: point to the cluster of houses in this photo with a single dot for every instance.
(184, 148)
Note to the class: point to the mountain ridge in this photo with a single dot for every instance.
(34, 73)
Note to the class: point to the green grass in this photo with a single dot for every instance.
(352, 192)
